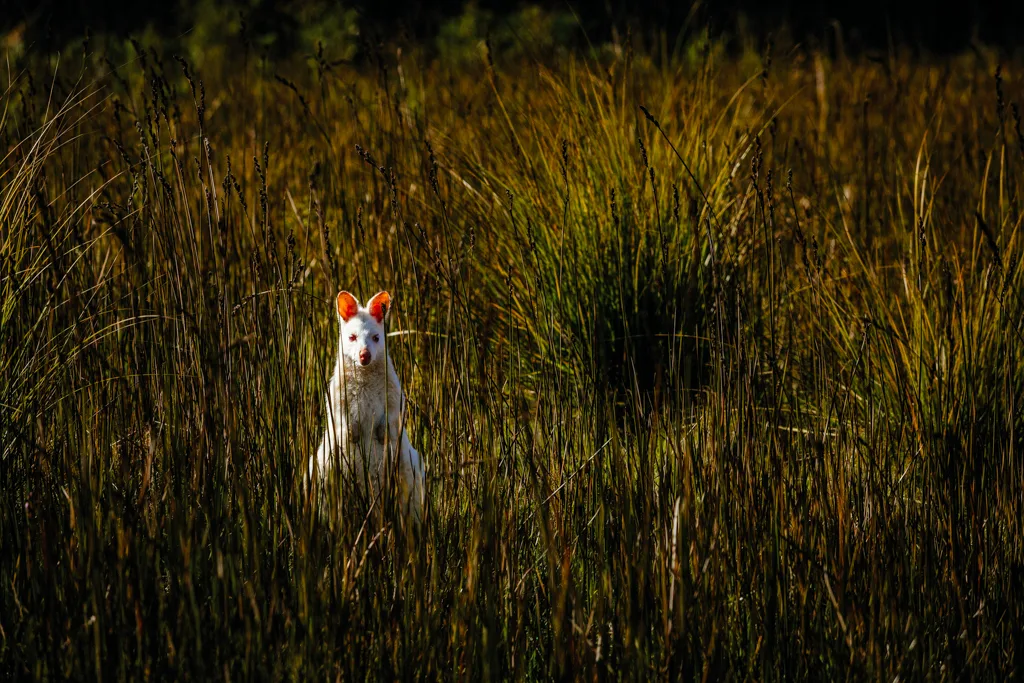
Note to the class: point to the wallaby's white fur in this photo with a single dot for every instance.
(364, 394)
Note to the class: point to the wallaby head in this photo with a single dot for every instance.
(362, 329)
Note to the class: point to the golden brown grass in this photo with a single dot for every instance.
(724, 386)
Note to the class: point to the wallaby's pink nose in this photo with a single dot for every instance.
(364, 356)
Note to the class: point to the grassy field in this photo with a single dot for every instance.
(715, 360)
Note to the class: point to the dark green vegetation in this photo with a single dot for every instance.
(715, 361)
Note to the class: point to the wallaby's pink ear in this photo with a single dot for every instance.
(379, 306)
(347, 306)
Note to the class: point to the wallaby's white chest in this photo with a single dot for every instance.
(366, 414)
(364, 407)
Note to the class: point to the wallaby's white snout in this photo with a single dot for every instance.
(363, 396)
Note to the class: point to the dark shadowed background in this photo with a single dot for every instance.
(871, 24)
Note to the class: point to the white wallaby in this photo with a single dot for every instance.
(366, 409)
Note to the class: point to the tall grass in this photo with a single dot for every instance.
(715, 363)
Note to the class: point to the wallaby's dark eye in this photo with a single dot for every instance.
(351, 337)
(376, 337)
